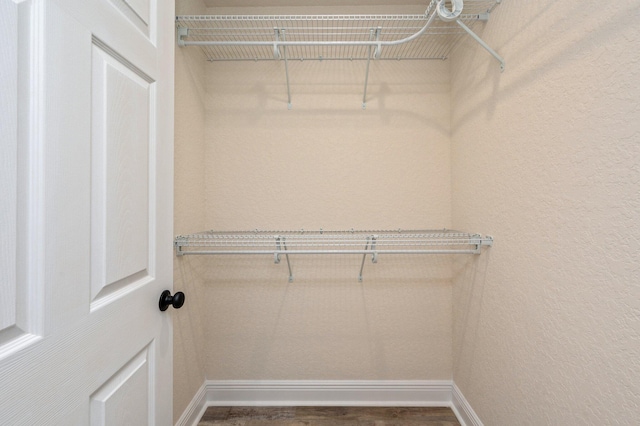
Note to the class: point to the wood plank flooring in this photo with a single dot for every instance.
(325, 416)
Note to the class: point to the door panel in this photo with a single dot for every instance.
(126, 398)
(20, 288)
(120, 244)
(88, 217)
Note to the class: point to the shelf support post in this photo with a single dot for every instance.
(364, 256)
(286, 69)
(281, 246)
(366, 78)
(483, 44)
(374, 256)
(286, 255)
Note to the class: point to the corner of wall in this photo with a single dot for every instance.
(462, 409)
(189, 217)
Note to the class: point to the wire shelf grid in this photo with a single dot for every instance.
(237, 31)
(373, 243)
(318, 242)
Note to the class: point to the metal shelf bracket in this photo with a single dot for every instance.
(281, 247)
(372, 32)
(182, 33)
(483, 44)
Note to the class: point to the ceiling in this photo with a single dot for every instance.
(306, 3)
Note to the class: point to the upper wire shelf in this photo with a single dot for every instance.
(373, 243)
(329, 37)
(269, 37)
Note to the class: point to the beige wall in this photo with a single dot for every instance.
(328, 164)
(546, 158)
(189, 216)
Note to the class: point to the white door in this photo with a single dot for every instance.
(86, 133)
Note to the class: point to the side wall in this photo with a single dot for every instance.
(328, 164)
(546, 158)
(189, 216)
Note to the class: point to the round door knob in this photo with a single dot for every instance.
(166, 300)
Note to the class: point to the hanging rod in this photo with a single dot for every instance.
(373, 243)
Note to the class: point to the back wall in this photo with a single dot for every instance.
(327, 163)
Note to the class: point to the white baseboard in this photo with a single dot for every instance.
(329, 393)
(389, 393)
(462, 409)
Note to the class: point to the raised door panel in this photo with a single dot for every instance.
(21, 308)
(121, 154)
(126, 398)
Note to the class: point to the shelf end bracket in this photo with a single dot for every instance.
(483, 44)
(178, 243)
(182, 33)
(480, 241)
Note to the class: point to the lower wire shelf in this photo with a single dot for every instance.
(364, 242)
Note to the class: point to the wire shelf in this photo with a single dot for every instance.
(234, 37)
(432, 35)
(373, 243)
(330, 242)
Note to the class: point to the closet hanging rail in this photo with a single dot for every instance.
(373, 243)
(431, 35)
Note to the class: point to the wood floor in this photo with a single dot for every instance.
(325, 416)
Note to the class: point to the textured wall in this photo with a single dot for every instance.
(189, 216)
(546, 158)
(327, 163)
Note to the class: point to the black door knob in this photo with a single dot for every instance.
(166, 300)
